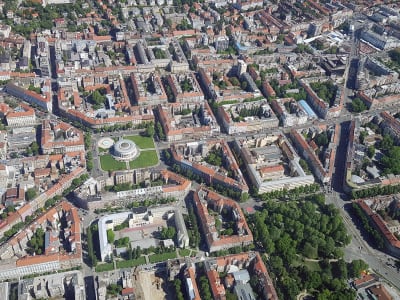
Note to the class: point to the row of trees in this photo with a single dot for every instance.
(159, 131)
(89, 154)
(368, 227)
(192, 228)
(90, 247)
(293, 193)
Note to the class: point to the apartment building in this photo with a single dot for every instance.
(258, 116)
(59, 137)
(198, 123)
(57, 260)
(44, 100)
(264, 157)
(190, 156)
(204, 199)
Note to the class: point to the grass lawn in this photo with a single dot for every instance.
(108, 163)
(162, 257)
(105, 267)
(184, 252)
(131, 263)
(146, 159)
(311, 265)
(143, 142)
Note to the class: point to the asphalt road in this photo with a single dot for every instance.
(360, 247)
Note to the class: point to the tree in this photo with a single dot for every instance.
(395, 55)
(391, 161)
(371, 151)
(36, 243)
(150, 131)
(110, 236)
(357, 105)
(168, 233)
(35, 148)
(322, 139)
(30, 194)
(356, 267)
(386, 143)
(310, 251)
(234, 81)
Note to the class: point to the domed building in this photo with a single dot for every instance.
(125, 150)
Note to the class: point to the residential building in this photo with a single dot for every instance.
(263, 156)
(204, 199)
(190, 157)
(44, 101)
(198, 123)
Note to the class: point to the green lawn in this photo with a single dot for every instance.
(146, 159)
(108, 163)
(131, 263)
(105, 267)
(184, 252)
(162, 257)
(143, 142)
(311, 265)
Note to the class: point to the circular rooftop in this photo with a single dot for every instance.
(105, 143)
(125, 150)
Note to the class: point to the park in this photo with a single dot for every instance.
(127, 153)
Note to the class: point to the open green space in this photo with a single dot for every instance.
(162, 257)
(312, 265)
(146, 159)
(108, 163)
(131, 263)
(184, 252)
(143, 142)
(105, 267)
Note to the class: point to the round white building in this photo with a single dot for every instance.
(125, 150)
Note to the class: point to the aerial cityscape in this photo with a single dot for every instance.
(199, 150)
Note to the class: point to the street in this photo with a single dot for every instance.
(359, 248)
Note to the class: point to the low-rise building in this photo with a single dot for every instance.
(53, 285)
(324, 109)
(289, 112)
(90, 195)
(148, 89)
